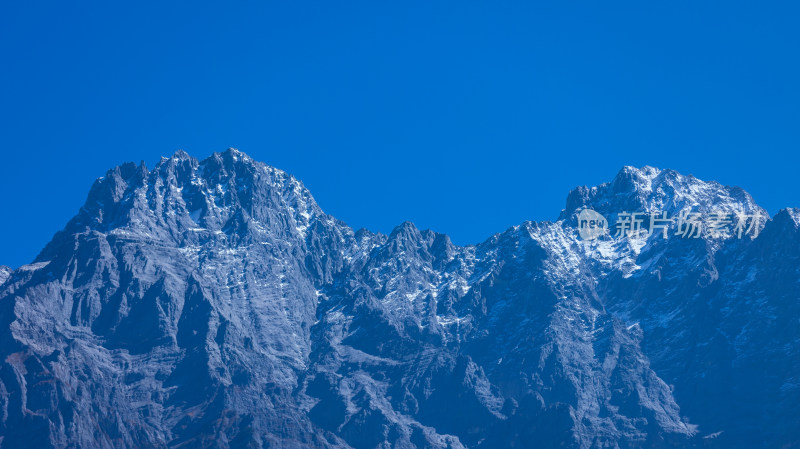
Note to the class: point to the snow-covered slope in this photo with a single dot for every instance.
(214, 304)
(5, 272)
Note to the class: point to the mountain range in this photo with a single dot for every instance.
(213, 304)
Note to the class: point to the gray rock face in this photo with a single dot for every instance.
(5, 272)
(214, 304)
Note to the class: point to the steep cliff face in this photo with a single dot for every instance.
(719, 315)
(214, 304)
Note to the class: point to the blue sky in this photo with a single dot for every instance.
(463, 117)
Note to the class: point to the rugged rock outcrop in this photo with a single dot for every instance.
(214, 304)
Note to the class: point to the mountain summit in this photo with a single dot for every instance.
(214, 304)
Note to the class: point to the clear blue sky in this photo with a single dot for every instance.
(462, 117)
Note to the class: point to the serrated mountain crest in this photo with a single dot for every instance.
(652, 190)
(214, 304)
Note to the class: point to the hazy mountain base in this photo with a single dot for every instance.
(213, 304)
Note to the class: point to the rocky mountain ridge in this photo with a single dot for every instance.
(214, 304)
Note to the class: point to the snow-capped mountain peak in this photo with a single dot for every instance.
(213, 304)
